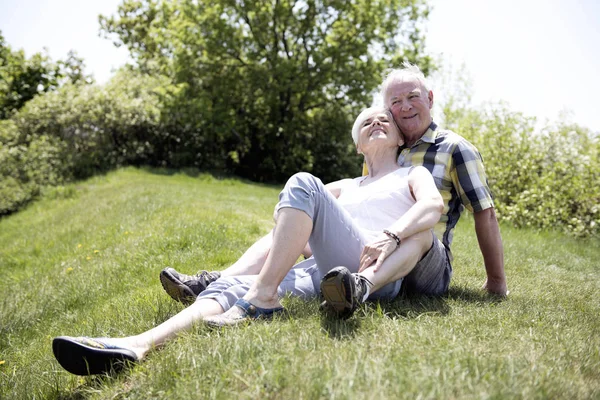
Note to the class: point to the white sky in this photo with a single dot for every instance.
(541, 56)
(60, 26)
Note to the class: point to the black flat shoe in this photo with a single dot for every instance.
(90, 356)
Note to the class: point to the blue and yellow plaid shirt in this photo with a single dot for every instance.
(458, 172)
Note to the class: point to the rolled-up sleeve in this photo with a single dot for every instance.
(468, 175)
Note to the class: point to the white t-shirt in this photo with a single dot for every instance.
(379, 204)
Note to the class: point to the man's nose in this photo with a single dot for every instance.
(405, 105)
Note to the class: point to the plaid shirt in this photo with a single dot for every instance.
(457, 169)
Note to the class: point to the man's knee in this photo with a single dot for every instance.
(420, 243)
(431, 275)
(402, 261)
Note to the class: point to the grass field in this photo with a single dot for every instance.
(84, 260)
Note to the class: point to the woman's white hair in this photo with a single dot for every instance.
(408, 70)
(363, 116)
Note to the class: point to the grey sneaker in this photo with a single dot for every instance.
(185, 288)
(343, 291)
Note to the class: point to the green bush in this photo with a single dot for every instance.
(545, 180)
(102, 127)
(26, 166)
(139, 120)
(78, 131)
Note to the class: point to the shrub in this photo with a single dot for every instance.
(28, 165)
(102, 127)
(545, 180)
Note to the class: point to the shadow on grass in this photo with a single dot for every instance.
(405, 307)
(413, 306)
(165, 171)
(471, 295)
(339, 328)
(208, 175)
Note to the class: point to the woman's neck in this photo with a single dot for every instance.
(382, 162)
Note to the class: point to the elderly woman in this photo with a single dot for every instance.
(377, 226)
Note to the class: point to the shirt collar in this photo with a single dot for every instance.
(429, 136)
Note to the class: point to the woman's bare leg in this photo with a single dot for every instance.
(180, 322)
(289, 240)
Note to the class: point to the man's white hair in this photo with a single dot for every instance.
(408, 70)
(363, 116)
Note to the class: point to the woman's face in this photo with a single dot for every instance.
(378, 131)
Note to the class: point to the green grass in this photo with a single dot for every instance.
(85, 260)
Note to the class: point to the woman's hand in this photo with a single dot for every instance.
(376, 252)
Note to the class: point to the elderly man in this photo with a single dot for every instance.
(458, 172)
(455, 164)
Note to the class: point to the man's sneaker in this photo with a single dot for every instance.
(343, 291)
(185, 288)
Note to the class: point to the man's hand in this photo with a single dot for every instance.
(376, 252)
(496, 286)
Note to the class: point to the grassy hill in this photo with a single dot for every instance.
(85, 260)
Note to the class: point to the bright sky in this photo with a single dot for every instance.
(60, 26)
(541, 56)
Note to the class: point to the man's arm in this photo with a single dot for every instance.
(490, 243)
(470, 182)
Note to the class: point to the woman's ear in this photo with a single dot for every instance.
(400, 140)
(358, 149)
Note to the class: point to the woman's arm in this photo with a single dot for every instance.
(427, 210)
(423, 215)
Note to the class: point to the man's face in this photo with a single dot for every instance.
(410, 105)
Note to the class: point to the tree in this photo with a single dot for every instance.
(258, 81)
(21, 79)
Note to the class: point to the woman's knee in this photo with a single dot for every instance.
(302, 192)
(305, 181)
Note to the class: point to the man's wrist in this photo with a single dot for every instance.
(496, 285)
(496, 277)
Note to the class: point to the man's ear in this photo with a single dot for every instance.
(430, 98)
